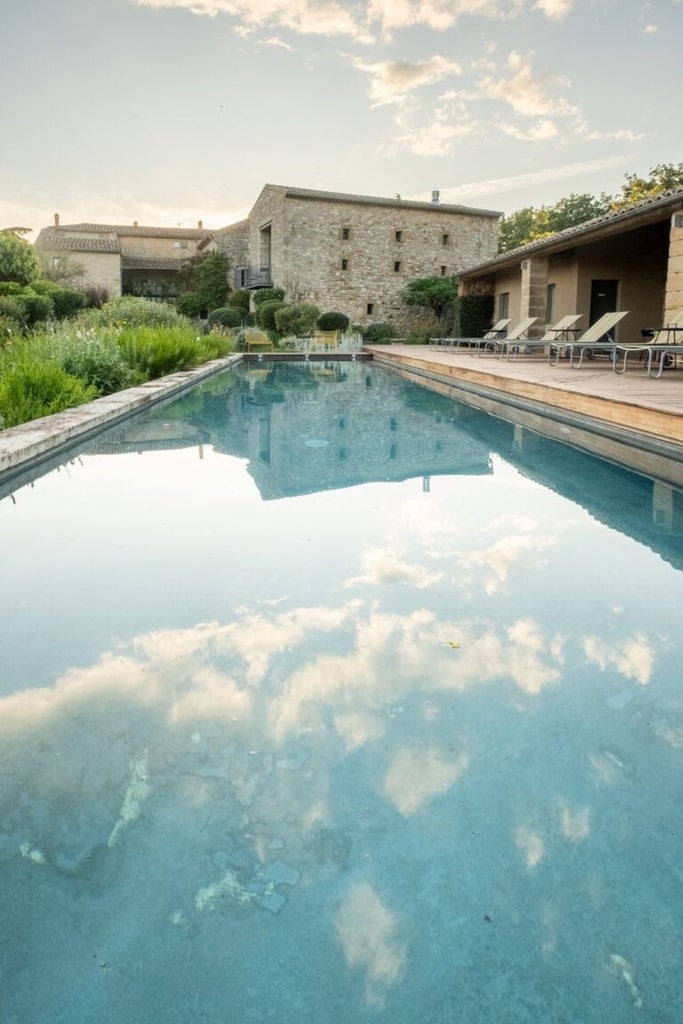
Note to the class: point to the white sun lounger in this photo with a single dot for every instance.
(499, 345)
(497, 331)
(591, 341)
(665, 342)
(561, 332)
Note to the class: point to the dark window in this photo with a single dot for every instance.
(445, 239)
(443, 271)
(346, 234)
(345, 264)
(397, 266)
(399, 236)
(550, 304)
(370, 308)
(503, 305)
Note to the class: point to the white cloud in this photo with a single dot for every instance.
(298, 16)
(556, 10)
(383, 566)
(391, 80)
(530, 844)
(369, 935)
(634, 658)
(417, 776)
(651, 30)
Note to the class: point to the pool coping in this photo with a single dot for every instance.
(30, 443)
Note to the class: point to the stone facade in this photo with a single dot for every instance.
(113, 256)
(356, 254)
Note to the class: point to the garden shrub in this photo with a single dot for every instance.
(476, 315)
(26, 308)
(378, 332)
(225, 316)
(265, 314)
(129, 311)
(32, 389)
(66, 301)
(98, 361)
(267, 295)
(298, 319)
(239, 299)
(333, 321)
(157, 351)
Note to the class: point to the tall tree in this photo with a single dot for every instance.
(18, 261)
(663, 177)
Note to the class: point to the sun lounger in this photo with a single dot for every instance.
(497, 331)
(562, 332)
(591, 341)
(665, 342)
(500, 345)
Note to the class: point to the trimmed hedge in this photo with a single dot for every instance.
(333, 321)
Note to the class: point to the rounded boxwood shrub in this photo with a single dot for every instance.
(66, 301)
(265, 314)
(268, 295)
(224, 316)
(333, 321)
(239, 299)
(298, 319)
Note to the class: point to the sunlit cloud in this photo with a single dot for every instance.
(382, 566)
(634, 658)
(574, 823)
(300, 16)
(392, 80)
(417, 776)
(556, 10)
(369, 935)
(526, 93)
(651, 30)
(530, 844)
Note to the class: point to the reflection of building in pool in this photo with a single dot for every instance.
(347, 425)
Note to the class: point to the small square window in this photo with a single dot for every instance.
(346, 234)
(443, 271)
(345, 264)
(445, 239)
(397, 266)
(399, 236)
(370, 308)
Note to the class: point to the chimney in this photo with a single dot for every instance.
(56, 220)
(200, 225)
(435, 196)
(135, 223)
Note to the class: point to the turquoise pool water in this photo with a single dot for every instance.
(324, 698)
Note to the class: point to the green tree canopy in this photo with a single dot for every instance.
(437, 294)
(207, 276)
(663, 177)
(18, 261)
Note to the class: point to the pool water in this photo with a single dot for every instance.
(326, 698)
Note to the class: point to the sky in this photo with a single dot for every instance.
(168, 112)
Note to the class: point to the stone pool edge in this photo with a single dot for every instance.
(29, 442)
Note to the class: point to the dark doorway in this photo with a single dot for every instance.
(603, 299)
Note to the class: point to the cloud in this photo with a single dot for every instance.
(383, 566)
(527, 94)
(556, 10)
(530, 844)
(369, 935)
(634, 657)
(417, 776)
(299, 16)
(392, 80)
(651, 30)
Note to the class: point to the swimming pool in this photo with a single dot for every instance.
(327, 698)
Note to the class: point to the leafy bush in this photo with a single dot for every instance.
(378, 333)
(239, 299)
(32, 389)
(298, 319)
(66, 301)
(26, 308)
(11, 288)
(265, 314)
(157, 351)
(128, 311)
(333, 322)
(476, 315)
(98, 361)
(18, 260)
(268, 295)
(225, 316)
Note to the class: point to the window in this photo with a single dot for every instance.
(445, 239)
(397, 266)
(443, 271)
(345, 264)
(346, 234)
(399, 236)
(550, 304)
(370, 308)
(180, 245)
(503, 305)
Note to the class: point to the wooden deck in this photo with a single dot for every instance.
(629, 418)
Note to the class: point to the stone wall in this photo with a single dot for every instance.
(358, 256)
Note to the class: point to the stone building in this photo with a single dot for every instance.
(353, 254)
(124, 259)
(628, 259)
